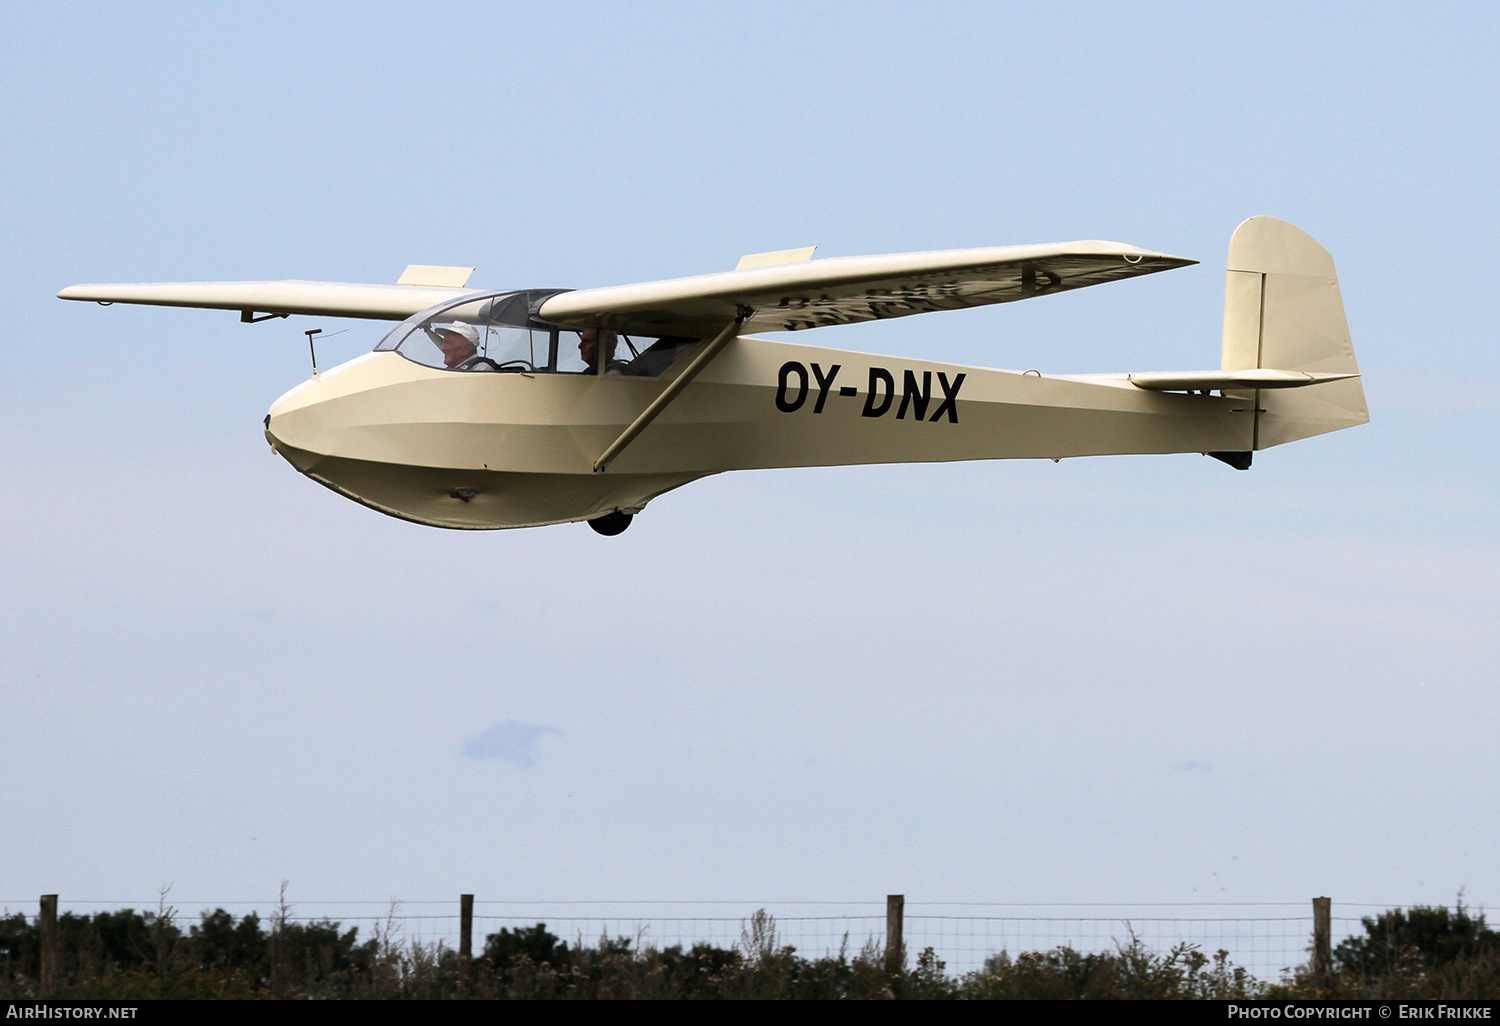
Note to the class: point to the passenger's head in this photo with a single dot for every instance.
(458, 342)
(588, 345)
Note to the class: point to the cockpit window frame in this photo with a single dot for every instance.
(520, 316)
(534, 299)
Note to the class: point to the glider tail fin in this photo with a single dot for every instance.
(1283, 311)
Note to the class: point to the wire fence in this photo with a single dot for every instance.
(1268, 939)
(961, 936)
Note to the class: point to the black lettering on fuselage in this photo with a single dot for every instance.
(794, 384)
(918, 399)
(824, 384)
(872, 408)
(785, 405)
(950, 396)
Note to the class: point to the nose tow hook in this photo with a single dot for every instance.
(466, 494)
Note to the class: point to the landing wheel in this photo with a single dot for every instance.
(611, 524)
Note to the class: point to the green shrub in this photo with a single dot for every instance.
(1417, 939)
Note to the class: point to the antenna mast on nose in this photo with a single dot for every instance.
(310, 349)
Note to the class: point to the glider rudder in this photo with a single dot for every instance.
(1283, 311)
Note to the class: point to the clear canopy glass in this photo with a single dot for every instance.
(499, 332)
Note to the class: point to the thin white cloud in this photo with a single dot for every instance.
(512, 741)
(1192, 766)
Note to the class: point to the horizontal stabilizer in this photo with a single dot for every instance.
(847, 290)
(1194, 381)
(319, 298)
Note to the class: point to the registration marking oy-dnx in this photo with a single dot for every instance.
(794, 385)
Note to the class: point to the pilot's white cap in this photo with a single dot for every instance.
(468, 331)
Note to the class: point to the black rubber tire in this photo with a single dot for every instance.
(611, 524)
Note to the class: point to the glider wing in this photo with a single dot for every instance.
(322, 298)
(847, 290)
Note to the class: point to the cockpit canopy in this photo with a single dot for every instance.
(498, 332)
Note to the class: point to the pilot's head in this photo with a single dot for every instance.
(458, 342)
(588, 346)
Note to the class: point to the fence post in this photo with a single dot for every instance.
(895, 916)
(1322, 960)
(51, 949)
(465, 935)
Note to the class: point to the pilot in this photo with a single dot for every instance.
(588, 351)
(460, 345)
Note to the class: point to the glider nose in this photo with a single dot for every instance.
(286, 430)
(277, 440)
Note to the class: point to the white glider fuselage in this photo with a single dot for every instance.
(494, 450)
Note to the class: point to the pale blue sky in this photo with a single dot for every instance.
(1130, 679)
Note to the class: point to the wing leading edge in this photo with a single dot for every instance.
(320, 298)
(848, 290)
